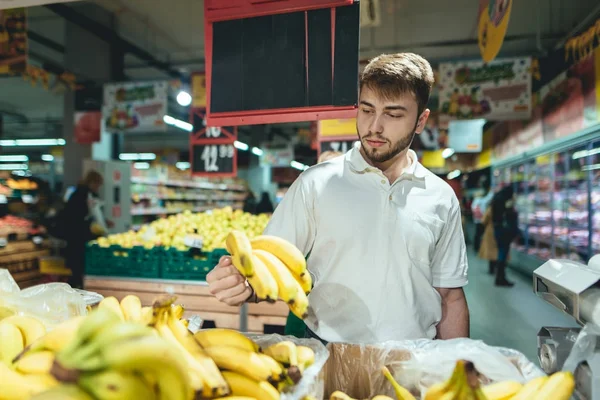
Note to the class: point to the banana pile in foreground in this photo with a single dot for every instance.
(122, 350)
(275, 268)
(464, 385)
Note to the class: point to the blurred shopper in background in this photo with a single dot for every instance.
(250, 203)
(505, 221)
(264, 206)
(478, 209)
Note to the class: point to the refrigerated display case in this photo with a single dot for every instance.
(557, 196)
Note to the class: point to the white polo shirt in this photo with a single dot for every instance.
(376, 250)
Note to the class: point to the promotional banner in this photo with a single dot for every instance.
(198, 90)
(137, 107)
(277, 157)
(500, 90)
(13, 41)
(494, 16)
(564, 106)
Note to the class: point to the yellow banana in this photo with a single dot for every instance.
(58, 337)
(381, 397)
(237, 398)
(339, 395)
(263, 283)
(15, 386)
(241, 361)
(11, 343)
(35, 363)
(300, 306)
(530, 388)
(116, 385)
(284, 352)
(6, 312)
(305, 282)
(224, 337)
(439, 390)
(238, 245)
(111, 303)
(286, 283)
(185, 322)
(243, 386)
(401, 393)
(177, 310)
(147, 315)
(291, 256)
(306, 357)
(153, 355)
(277, 373)
(63, 392)
(132, 308)
(214, 384)
(502, 390)
(559, 386)
(30, 328)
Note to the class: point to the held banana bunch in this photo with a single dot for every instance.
(109, 358)
(463, 384)
(275, 268)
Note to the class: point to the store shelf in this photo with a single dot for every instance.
(186, 184)
(159, 197)
(158, 211)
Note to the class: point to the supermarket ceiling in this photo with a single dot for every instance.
(171, 32)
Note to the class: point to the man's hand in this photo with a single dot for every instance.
(455, 314)
(227, 284)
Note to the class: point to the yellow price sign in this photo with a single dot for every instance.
(199, 90)
(337, 127)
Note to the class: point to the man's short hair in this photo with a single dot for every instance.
(391, 75)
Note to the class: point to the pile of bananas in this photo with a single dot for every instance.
(275, 268)
(464, 385)
(122, 350)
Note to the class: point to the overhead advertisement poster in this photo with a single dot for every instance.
(500, 90)
(13, 41)
(137, 107)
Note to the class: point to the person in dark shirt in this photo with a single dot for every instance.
(505, 221)
(250, 203)
(264, 206)
(78, 221)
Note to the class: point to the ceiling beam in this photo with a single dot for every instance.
(49, 43)
(110, 36)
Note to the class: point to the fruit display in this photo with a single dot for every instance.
(212, 227)
(21, 184)
(122, 350)
(275, 268)
(464, 385)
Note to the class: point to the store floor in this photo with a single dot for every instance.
(509, 317)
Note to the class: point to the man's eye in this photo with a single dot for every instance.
(395, 115)
(364, 110)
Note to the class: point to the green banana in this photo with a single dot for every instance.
(116, 385)
(63, 392)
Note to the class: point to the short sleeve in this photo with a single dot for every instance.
(449, 267)
(293, 218)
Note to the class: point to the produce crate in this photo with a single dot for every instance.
(187, 266)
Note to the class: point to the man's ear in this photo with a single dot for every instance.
(422, 122)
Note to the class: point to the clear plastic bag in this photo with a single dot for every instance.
(7, 283)
(417, 364)
(313, 378)
(584, 346)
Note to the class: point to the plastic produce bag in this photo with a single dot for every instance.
(312, 382)
(416, 365)
(7, 283)
(584, 347)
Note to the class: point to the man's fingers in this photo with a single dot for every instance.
(221, 272)
(241, 298)
(231, 292)
(225, 260)
(226, 282)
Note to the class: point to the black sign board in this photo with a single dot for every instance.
(214, 159)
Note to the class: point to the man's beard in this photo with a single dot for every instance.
(377, 156)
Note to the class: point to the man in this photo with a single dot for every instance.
(387, 251)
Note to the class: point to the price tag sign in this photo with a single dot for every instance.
(341, 146)
(193, 241)
(3, 242)
(214, 159)
(3, 199)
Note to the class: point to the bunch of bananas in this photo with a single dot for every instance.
(275, 268)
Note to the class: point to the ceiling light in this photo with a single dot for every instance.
(141, 165)
(186, 126)
(184, 98)
(14, 158)
(32, 142)
(137, 156)
(13, 167)
(47, 157)
(241, 145)
(183, 165)
(298, 165)
(257, 151)
(453, 174)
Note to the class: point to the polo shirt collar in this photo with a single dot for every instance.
(415, 171)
